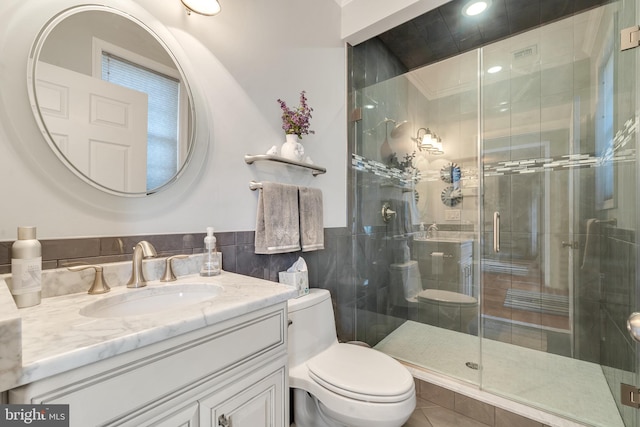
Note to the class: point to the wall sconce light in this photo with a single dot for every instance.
(424, 142)
(202, 7)
(428, 141)
(437, 146)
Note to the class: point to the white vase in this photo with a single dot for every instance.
(291, 149)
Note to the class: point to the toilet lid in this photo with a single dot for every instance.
(439, 295)
(361, 373)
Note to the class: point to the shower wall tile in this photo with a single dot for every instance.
(250, 264)
(526, 203)
(587, 334)
(497, 198)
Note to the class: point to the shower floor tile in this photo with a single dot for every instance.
(556, 384)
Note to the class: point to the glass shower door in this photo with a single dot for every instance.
(558, 149)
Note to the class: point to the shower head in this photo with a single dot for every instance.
(400, 129)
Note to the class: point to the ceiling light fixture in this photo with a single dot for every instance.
(494, 69)
(202, 7)
(476, 7)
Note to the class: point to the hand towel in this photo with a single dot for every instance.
(590, 258)
(311, 219)
(277, 219)
(437, 262)
(410, 214)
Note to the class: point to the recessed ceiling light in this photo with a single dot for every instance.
(476, 7)
(494, 69)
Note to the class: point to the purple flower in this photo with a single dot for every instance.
(296, 121)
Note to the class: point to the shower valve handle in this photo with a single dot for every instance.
(387, 212)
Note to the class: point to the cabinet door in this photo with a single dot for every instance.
(247, 404)
(165, 416)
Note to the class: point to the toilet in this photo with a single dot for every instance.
(445, 308)
(340, 384)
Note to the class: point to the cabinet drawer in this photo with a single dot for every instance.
(104, 395)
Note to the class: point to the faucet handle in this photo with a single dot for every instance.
(168, 270)
(99, 285)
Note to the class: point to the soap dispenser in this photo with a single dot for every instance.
(212, 260)
(26, 268)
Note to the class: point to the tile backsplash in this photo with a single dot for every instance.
(328, 268)
(237, 249)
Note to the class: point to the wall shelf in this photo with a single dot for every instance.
(315, 170)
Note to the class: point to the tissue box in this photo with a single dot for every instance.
(297, 279)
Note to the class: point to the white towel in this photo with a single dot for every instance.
(311, 219)
(437, 262)
(277, 219)
(591, 247)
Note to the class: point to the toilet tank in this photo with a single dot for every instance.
(313, 328)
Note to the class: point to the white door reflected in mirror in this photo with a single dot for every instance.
(100, 127)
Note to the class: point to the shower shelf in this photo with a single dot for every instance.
(315, 170)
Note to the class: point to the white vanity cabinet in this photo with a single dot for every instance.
(229, 374)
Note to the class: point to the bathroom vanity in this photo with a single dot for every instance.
(446, 263)
(218, 362)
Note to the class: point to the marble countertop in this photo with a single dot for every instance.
(56, 338)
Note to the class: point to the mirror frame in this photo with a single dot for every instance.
(32, 68)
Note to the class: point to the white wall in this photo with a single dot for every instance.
(240, 62)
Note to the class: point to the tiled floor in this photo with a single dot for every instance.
(439, 407)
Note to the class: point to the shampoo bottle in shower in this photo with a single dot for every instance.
(212, 260)
(26, 268)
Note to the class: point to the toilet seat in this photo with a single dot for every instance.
(361, 373)
(446, 297)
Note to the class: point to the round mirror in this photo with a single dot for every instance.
(111, 100)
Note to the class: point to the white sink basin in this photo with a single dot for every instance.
(148, 300)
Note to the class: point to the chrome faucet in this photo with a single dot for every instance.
(432, 230)
(141, 250)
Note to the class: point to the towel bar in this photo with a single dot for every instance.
(315, 170)
(254, 185)
(613, 221)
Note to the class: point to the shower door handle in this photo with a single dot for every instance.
(496, 231)
(633, 326)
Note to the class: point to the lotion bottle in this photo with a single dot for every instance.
(26, 268)
(212, 261)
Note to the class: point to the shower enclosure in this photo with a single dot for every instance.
(505, 175)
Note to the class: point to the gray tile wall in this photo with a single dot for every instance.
(329, 268)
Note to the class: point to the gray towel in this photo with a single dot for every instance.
(277, 228)
(311, 219)
(591, 256)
